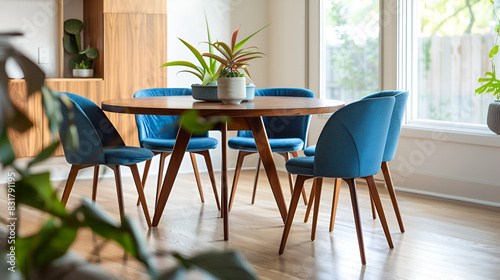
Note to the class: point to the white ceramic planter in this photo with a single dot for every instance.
(83, 73)
(231, 90)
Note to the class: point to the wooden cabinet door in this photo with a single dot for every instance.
(135, 6)
(135, 47)
(29, 143)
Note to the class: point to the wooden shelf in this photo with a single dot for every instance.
(131, 38)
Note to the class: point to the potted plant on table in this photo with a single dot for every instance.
(207, 72)
(82, 63)
(492, 83)
(231, 82)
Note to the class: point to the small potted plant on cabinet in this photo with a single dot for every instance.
(492, 83)
(231, 82)
(83, 62)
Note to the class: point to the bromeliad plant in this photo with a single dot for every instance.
(206, 72)
(492, 83)
(234, 58)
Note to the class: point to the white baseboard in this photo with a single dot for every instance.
(451, 188)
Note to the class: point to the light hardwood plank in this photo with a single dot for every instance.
(444, 239)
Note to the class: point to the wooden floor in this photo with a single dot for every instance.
(443, 240)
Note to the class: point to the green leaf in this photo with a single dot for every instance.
(92, 53)
(69, 44)
(240, 44)
(73, 26)
(35, 190)
(98, 220)
(7, 155)
(228, 52)
(77, 59)
(224, 265)
(493, 51)
(52, 105)
(18, 120)
(33, 75)
(143, 253)
(178, 273)
(198, 56)
(191, 72)
(216, 57)
(192, 122)
(212, 62)
(44, 154)
(182, 63)
(49, 244)
(101, 223)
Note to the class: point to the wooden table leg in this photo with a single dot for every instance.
(180, 147)
(225, 212)
(262, 142)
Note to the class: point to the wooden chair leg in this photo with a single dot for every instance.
(378, 205)
(304, 194)
(119, 189)
(335, 202)
(239, 164)
(159, 182)
(197, 176)
(374, 215)
(140, 192)
(357, 220)
(289, 175)
(94, 183)
(147, 165)
(311, 200)
(71, 181)
(392, 193)
(255, 181)
(290, 178)
(299, 184)
(319, 184)
(208, 161)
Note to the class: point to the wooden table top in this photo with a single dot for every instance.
(260, 106)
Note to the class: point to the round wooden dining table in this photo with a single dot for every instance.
(245, 116)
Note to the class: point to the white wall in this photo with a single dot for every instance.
(38, 21)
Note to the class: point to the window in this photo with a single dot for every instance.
(350, 48)
(450, 42)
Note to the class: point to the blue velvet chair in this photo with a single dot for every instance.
(286, 135)
(351, 145)
(158, 134)
(389, 152)
(99, 144)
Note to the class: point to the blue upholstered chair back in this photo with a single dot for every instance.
(285, 126)
(352, 142)
(164, 127)
(95, 132)
(396, 120)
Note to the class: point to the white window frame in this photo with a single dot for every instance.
(407, 75)
(406, 62)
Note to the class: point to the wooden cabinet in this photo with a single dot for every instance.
(131, 36)
(28, 143)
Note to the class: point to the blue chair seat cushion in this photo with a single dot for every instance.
(196, 144)
(126, 155)
(278, 145)
(301, 166)
(309, 151)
